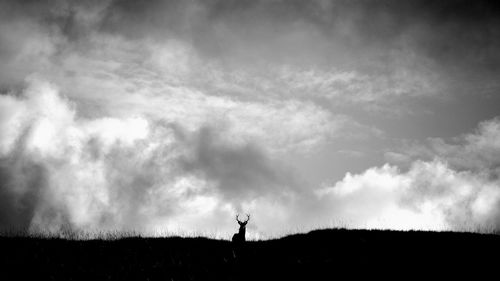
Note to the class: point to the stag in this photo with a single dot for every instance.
(239, 237)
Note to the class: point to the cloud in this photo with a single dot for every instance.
(477, 151)
(108, 74)
(404, 50)
(256, 50)
(241, 171)
(430, 195)
(455, 180)
(59, 170)
(124, 136)
(175, 114)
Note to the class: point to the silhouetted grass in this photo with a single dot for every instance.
(318, 255)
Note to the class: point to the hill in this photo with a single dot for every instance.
(317, 255)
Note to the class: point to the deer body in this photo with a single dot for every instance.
(239, 237)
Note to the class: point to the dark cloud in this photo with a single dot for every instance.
(443, 30)
(455, 40)
(240, 172)
(22, 181)
(478, 151)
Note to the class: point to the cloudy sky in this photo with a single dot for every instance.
(174, 116)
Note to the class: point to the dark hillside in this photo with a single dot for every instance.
(318, 255)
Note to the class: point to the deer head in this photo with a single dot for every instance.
(242, 223)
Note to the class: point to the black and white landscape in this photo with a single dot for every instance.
(160, 118)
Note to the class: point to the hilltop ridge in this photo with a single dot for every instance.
(316, 255)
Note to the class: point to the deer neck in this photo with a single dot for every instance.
(242, 230)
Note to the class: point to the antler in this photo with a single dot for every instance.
(238, 220)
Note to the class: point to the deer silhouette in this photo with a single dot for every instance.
(239, 238)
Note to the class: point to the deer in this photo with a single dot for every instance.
(239, 238)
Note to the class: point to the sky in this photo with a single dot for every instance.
(174, 116)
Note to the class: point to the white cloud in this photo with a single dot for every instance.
(109, 78)
(126, 172)
(430, 195)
